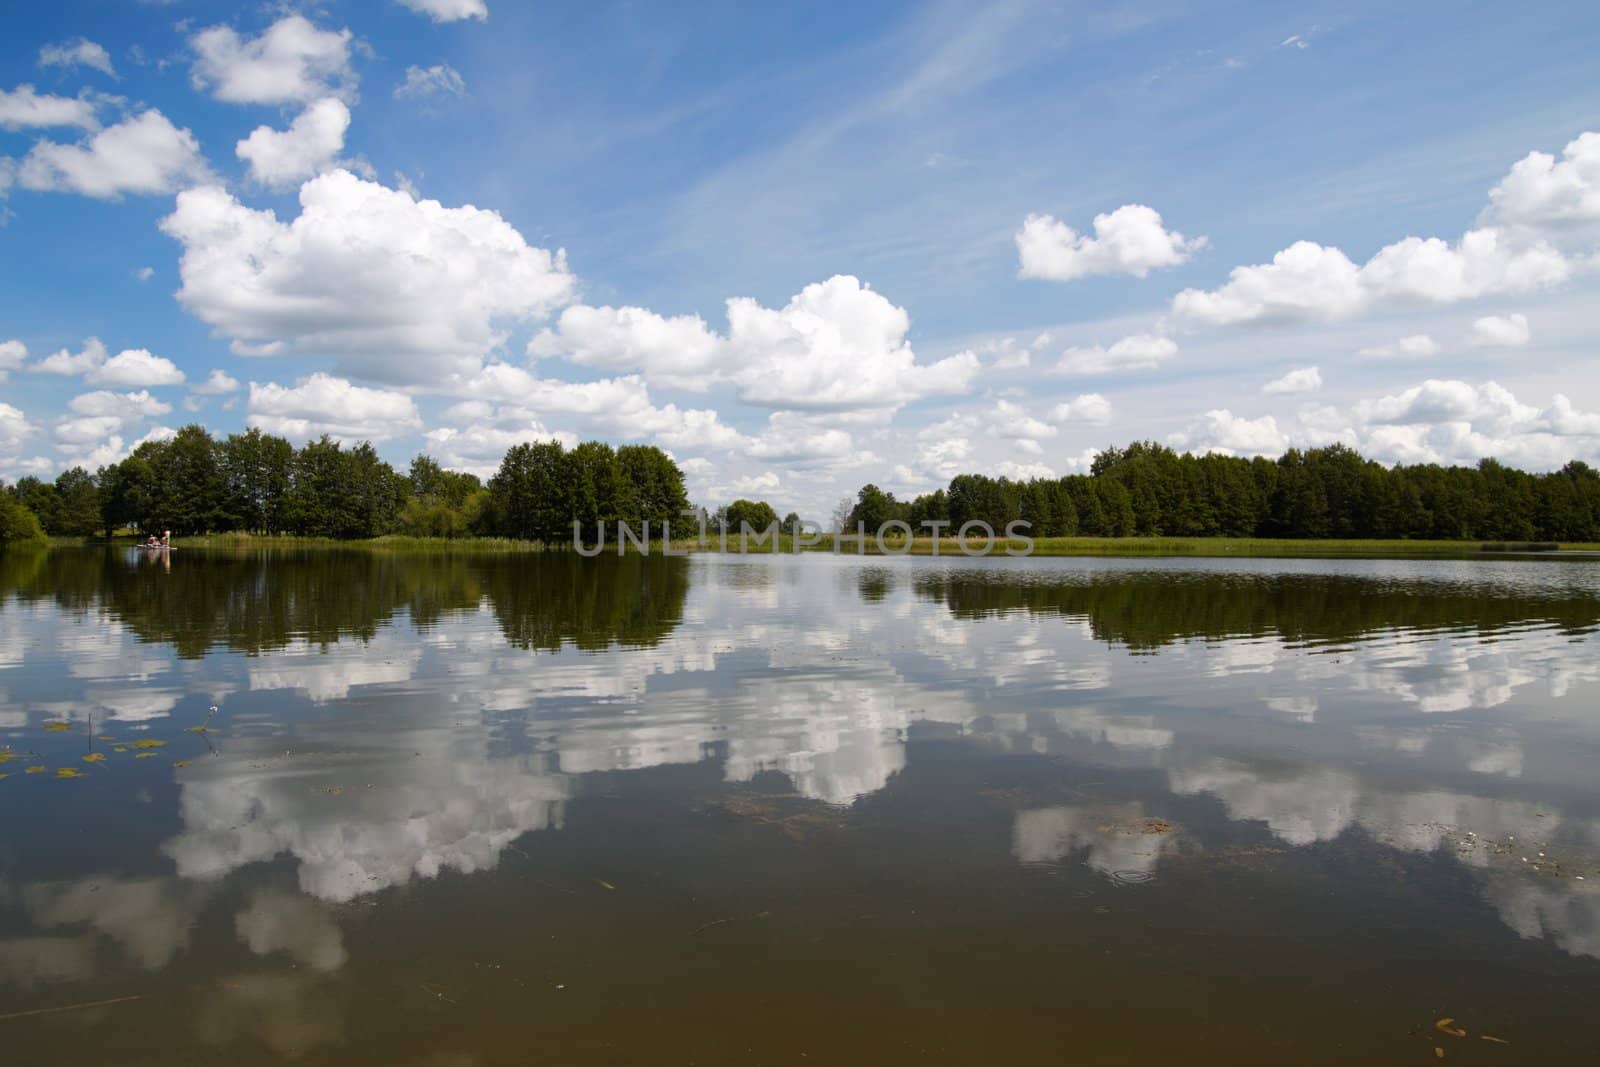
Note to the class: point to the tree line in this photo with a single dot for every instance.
(1149, 490)
(259, 483)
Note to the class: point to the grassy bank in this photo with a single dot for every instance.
(924, 546)
(391, 543)
(1188, 546)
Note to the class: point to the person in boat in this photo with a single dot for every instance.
(166, 538)
(151, 542)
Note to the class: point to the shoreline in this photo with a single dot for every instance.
(1153, 547)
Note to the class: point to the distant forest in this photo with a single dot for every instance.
(1149, 490)
(259, 483)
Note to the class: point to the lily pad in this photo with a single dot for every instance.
(148, 742)
(68, 772)
(95, 757)
(37, 770)
(57, 727)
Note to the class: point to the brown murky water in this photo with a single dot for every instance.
(476, 810)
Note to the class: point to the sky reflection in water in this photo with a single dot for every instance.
(448, 789)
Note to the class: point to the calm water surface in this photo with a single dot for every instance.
(468, 810)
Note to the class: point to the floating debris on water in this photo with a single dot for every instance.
(68, 772)
(95, 757)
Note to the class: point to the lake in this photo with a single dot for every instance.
(452, 810)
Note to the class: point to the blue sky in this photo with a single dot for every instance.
(899, 199)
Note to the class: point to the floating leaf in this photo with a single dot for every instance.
(120, 748)
(3, 777)
(148, 742)
(40, 769)
(1445, 1026)
(57, 727)
(68, 772)
(95, 757)
(145, 755)
(1496, 1040)
(7, 757)
(181, 763)
(197, 729)
(608, 885)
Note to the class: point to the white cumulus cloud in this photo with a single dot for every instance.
(144, 154)
(12, 353)
(1091, 408)
(1511, 251)
(26, 108)
(397, 288)
(1130, 240)
(121, 405)
(680, 351)
(449, 10)
(291, 61)
(1542, 191)
(217, 383)
(135, 367)
(1501, 331)
(280, 158)
(132, 368)
(322, 404)
(1449, 421)
(1223, 431)
(836, 346)
(72, 363)
(1303, 380)
(1412, 346)
(1140, 351)
(80, 52)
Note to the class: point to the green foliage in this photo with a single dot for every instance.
(256, 472)
(39, 497)
(18, 524)
(77, 503)
(1149, 490)
(874, 507)
(442, 503)
(257, 483)
(758, 513)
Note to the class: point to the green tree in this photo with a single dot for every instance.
(191, 488)
(39, 497)
(77, 503)
(128, 494)
(18, 525)
(874, 507)
(531, 496)
(757, 513)
(256, 473)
